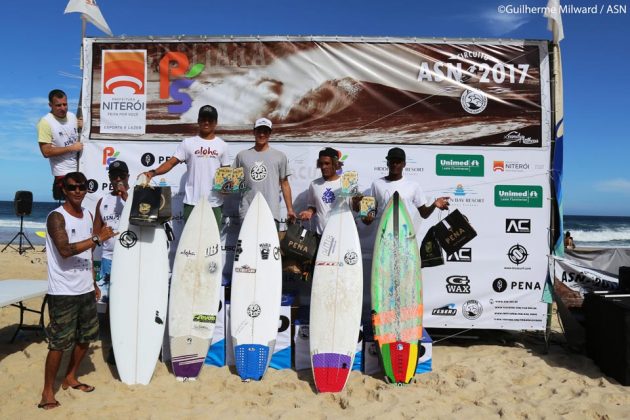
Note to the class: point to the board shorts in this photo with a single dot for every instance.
(103, 279)
(57, 190)
(73, 319)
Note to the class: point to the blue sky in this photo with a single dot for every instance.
(41, 52)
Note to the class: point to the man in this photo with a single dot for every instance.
(410, 192)
(72, 291)
(58, 137)
(203, 154)
(323, 192)
(108, 211)
(266, 170)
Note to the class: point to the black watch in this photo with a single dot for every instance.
(96, 240)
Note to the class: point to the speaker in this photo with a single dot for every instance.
(23, 203)
(624, 279)
(608, 334)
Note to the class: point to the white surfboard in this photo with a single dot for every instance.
(256, 291)
(336, 301)
(138, 297)
(195, 292)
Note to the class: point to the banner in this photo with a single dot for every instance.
(456, 93)
(495, 281)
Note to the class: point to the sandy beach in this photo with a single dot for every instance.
(497, 375)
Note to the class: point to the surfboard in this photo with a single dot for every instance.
(41, 233)
(336, 301)
(138, 297)
(256, 291)
(397, 293)
(195, 292)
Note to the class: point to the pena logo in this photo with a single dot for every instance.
(124, 72)
(109, 155)
(175, 75)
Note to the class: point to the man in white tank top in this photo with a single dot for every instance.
(108, 211)
(72, 292)
(58, 137)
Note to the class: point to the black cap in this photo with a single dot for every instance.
(396, 153)
(330, 152)
(118, 166)
(208, 112)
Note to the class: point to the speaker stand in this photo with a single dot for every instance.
(21, 249)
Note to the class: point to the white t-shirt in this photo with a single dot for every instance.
(72, 275)
(60, 133)
(111, 208)
(410, 192)
(322, 196)
(202, 158)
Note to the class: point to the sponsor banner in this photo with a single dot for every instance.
(582, 279)
(511, 241)
(123, 92)
(459, 165)
(459, 93)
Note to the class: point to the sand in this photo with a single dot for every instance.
(499, 374)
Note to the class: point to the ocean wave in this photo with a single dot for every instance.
(601, 236)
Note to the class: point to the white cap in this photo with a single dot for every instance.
(262, 122)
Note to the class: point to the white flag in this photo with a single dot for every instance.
(554, 23)
(90, 10)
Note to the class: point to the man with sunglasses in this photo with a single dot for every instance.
(72, 290)
(108, 211)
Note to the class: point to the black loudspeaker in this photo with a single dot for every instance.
(610, 344)
(624, 279)
(23, 203)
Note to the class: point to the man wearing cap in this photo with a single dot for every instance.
(58, 138)
(266, 170)
(203, 155)
(323, 192)
(410, 192)
(108, 211)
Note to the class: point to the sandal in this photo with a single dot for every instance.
(48, 405)
(79, 387)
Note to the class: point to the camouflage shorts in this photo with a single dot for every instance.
(73, 319)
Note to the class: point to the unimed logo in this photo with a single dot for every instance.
(518, 196)
(459, 165)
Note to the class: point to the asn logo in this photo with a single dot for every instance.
(175, 75)
(498, 166)
(459, 165)
(458, 284)
(123, 72)
(518, 225)
(462, 255)
(446, 310)
(518, 196)
(109, 155)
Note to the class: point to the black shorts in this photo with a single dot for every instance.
(73, 319)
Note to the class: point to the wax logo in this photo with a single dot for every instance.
(176, 73)
(459, 165)
(518, 196)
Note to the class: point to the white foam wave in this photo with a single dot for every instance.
(605, 235)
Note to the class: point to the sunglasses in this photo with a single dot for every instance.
(75, 187)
